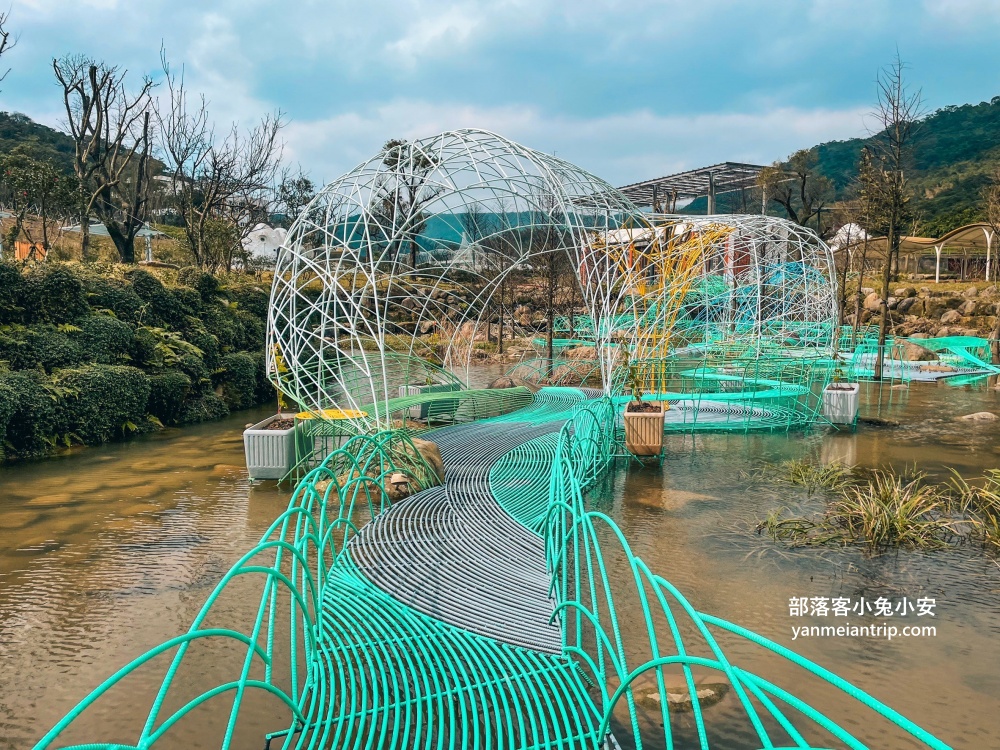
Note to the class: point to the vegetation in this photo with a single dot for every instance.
(881, 510)
(92, 353)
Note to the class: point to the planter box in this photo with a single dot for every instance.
(644, 431)
(840, 405)
(422, 411)
(270, 454)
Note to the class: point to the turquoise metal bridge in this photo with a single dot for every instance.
(498, 610)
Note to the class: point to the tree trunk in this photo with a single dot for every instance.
(995, 337)
(549, 309)
(891, 243)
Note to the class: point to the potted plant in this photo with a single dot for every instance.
(422, 411)
(841, 400)
(643, 419)
(269, 445)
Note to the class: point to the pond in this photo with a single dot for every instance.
(108, 551)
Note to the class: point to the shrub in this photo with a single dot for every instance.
(251, 300)
(53, 294)
(239, 381)
(7, 408)
(11, 291)
(33, 419)
(105, 340)
(221, 323)
(209, 346)
(162, 306)
(116, 296)
(197, 373)
(204, 408)
(251, 330)
(103, 402)
(46, 347)
(206, 284)
(167, 392)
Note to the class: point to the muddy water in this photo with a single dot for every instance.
(108, 552)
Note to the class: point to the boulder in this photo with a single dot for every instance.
(905, 292)
(968, 308)
(989, 292)
(911, 352)
(951, 316)
(970, 292)
(504, 381)
(866, 290)
(925, 290)
(892, 302)
(873, 302)
(920, 336)
(980, 416)
(906, 304)
(432, 455)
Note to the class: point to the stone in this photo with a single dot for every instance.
(866, 290)
(968, 308)
(905, 292)
(892, 302)
(432, 455)
(951, 316)
(925, 290)
(980, 416)
(873, 302)
(565, 375)
(920, 336)
(427, 327)
(504, 381)
(906, 304)
(911, 352)
(989, 292)
(970, 292)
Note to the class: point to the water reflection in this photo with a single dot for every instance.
(108, 552)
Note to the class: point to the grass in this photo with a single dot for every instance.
(882, 509)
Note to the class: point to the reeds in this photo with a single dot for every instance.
(883, 510)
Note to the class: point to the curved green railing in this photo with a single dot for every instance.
(341, 662)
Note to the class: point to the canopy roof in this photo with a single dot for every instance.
(718, 178)
(975, 238)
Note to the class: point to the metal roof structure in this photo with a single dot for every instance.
(709, 181)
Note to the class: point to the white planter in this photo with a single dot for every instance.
(840, 405)
(421, 411)
(270, 454)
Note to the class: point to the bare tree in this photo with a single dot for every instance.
(220, 187)
(406, 190)
(796, 187)
(6, 42)
(112, 134)
(896, 115)
(991, 215)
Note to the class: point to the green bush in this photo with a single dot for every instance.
(209, 346)
(106, 340)
(103, 402)
(42, 346)
(251, 332)
(221, 322)
(167, 392)
(251, 300)
(239, 381)
(7, 408)
(117, 296)
(11, 291)
(33, 416)
(162, 306)
(53, 293)
(204, 408)
(196, 371)
(206, 284)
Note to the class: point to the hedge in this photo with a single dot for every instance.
(96, 353)
(167, 392)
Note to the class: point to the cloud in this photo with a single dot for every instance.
(620, 147)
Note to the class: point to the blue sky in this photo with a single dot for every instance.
(628, 90)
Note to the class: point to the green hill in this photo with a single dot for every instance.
(41, 142)
(954, 151)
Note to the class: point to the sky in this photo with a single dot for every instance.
(627, 90)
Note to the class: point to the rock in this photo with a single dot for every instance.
(911, 352)
(565, 375)
(951, 316)
(980, 416)
(503, 381)
(892, 302)
(427, 327)
(432, 455)
(920, 336)
(925, 290)
(873, 302)
(866, 290)
(968, 308)
(906, 304)
(970, 292)
(878, 422)
(989, 292)
(905, 292)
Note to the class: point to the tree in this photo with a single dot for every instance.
(405, 192)
(111, 131)
(294, 193)
(991, 215)
(6, 43)
(796, 187)
(229, 180)
(32, 186)
(897, 112)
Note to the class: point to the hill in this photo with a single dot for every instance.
(42, 142)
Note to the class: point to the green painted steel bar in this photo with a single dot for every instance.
(364, 669)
